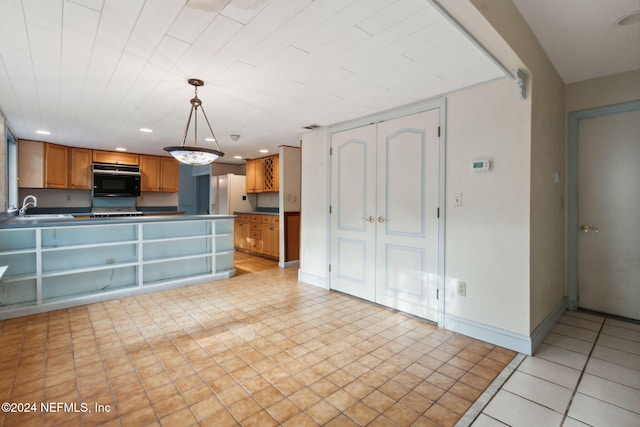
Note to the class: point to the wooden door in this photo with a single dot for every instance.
(608, 212)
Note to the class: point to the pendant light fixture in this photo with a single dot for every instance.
(192, 154)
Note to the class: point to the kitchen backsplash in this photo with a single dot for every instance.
(268, 200)
(52, 198)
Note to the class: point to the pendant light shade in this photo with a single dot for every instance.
(192, 154)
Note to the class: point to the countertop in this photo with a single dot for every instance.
(13, 222)
(257, 213)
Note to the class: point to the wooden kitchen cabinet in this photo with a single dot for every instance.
(159, 174)
(30, 164)
(44, 165)
(115, 157)
(149, 173)
(271, 172)
(271, 236)
(255, 176)
(258, 234)
(80, 160)
(56, 166)
(242, 231)
(169, 175)
(263, 175)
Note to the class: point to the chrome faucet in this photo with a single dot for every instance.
(29, 201)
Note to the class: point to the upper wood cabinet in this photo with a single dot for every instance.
(115, 157)
(80, 160)
(263, 175)
(30, 164)
(169, 175)
(56, 166)
(42, 165)
(159, 174)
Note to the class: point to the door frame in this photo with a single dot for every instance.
(572, 217)
(419, 107)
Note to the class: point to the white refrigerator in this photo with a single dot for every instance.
(229, 195)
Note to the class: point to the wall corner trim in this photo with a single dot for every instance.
(312, 279)
(543, 329)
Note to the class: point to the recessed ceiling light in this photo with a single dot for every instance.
(209, 139)
(43, 132)
(237, 157)
(121, 149)
(632, 18)
(146, 130)
(264, 151)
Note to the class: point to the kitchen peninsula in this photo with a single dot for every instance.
(62, 262)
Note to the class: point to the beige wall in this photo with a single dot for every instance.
(314, 198)
(603, 91)
(487, 238)
(3, 167)
(547, 216)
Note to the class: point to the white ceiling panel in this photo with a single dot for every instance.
(151, 26)
(244, 11)
(391, 15)
(43, 14)
(356, 12)
(13, 28)
(205, 55)
(190, 24)
(95, 71)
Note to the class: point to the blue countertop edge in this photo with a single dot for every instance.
(10, 222)
(257, 213)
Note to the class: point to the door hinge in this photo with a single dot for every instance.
(438, 130)
(329, 268)
(331, 151)
(329, 208)
(438, 293)
(438, 213)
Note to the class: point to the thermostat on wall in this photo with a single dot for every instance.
(481, 165)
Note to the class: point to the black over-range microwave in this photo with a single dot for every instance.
(115, 180)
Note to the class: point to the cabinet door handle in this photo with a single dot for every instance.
(370, 219)
(381, 219)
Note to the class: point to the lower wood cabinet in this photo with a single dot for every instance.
(258, 234)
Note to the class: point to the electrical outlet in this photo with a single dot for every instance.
(111, 260)
(462, 289)
(457, 200)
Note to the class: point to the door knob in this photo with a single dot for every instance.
(588, 228)
(370, 219)
(381, 219)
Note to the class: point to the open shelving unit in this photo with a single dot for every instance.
(53, 267)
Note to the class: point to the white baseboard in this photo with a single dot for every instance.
(503, 338)
(282, 264)
(312, 279)
(511, 340)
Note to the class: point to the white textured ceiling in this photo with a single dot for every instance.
(92, 72)
(581, 37)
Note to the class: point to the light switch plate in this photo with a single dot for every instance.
(457, 200)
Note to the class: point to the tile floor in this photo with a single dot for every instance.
(256, 350)
(586, 373)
